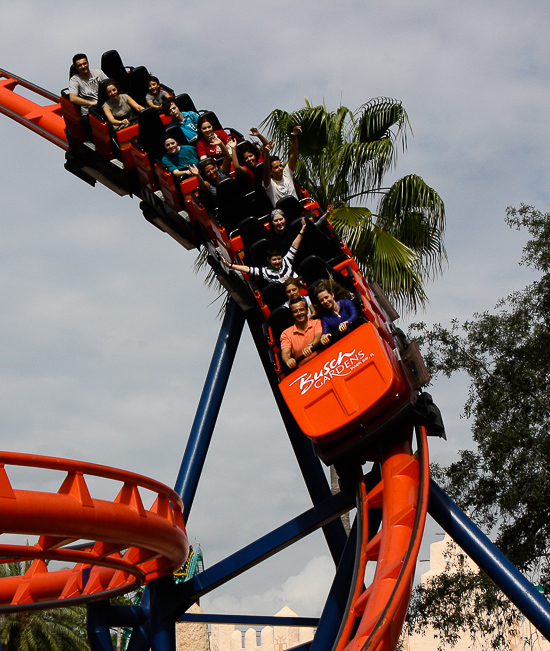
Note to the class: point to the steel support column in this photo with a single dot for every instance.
(492, 561)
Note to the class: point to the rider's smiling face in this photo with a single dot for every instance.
(326, 299)
(276, 261)
(82, 67)
(299, 312)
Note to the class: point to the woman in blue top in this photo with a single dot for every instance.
(335, 315)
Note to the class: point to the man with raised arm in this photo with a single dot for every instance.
(298, 340)
(84, 85)
(278, 179)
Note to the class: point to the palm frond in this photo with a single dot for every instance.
(344, 155)
(366, 163)
(413, 212)
(382, 117)
(211, 281)
(351, 223)
(397, 269)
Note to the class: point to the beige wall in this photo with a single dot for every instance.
(224, 637)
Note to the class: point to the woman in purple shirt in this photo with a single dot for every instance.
(335, 315)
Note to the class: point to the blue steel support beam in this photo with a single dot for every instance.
(259, 550)
(312, 470)
(163, 626)
(248, 620)
(493, 562)
(139, 639)
(334, 611)
(99, 635)
(209, 406)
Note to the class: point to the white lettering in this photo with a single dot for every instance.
(339, 366)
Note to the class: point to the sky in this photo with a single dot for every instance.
(107, 332)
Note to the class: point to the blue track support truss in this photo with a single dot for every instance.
(263, 548)
(209, 406)
(493, 562)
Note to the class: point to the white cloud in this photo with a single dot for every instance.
(304, 592)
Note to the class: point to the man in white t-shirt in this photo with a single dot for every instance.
(84, 85)
(278, 179)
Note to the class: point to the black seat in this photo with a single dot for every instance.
(101, 99)
(139, 84)
(151, 131)
(317, 244)
(280, 319)
(262, 202)
(258, 252)
(313, 269)
(241, 175)
(232, 205)
(246, 144)
(251, 230)
(291, 207)
(211, 117)
(274, 295)
(185, 103)
(175, 132)
(112, 66)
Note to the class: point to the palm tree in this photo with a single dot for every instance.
(344, 156)
(62, 629)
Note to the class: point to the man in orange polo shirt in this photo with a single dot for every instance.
(299, 339)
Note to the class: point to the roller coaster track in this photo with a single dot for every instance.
(148, 544)
(403, 497)
(131, 544)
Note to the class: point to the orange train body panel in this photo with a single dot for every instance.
(345, 386)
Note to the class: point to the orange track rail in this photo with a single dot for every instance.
(130, 544)
(47, 121)
(403, 496)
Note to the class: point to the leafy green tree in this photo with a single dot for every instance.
(343, 158)
(505, 481)
(462, 604)
(60, 629)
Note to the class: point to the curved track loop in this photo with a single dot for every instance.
(130, 544)
(403, 497)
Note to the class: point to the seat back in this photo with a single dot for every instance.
(175, 132)
(112, 66)
(151, 131)
(262, 202)
(232, 205)
(280, 319)
(313, 269)
(251, 230)
(291, 207)
(210, 116)
(274, 295)
(317, 244)
(258, 252)
(138, 84)
(185, 103)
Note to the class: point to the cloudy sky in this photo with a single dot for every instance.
(107, 332)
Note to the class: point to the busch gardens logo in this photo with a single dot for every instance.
(337, 367)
